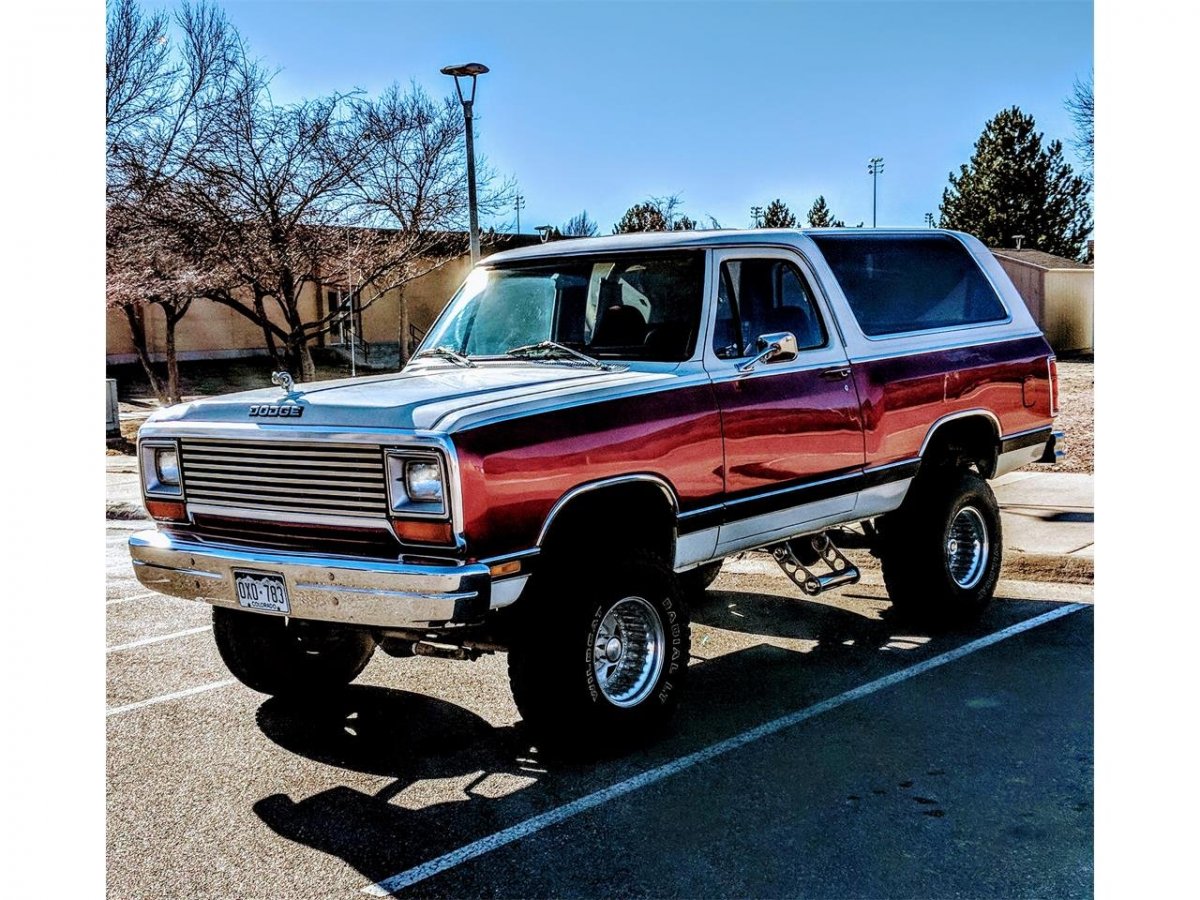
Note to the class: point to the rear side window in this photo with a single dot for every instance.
(903, 283)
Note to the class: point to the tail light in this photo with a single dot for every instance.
(1053, 364)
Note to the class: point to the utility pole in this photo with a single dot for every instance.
(875, 169)
(520, 205)
(756, 212)
(929, 219)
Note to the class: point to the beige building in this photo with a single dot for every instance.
(1059, 293)
(212, 331)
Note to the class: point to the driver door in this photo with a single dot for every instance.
(792, 428)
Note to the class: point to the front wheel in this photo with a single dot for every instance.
(600, 665)
(698, 580)
(289, 657)
(941, 551)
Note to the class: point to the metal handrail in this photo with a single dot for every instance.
(415, 336)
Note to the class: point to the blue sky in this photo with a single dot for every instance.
(597, 105)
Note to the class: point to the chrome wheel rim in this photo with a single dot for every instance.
(967, 548)
(627, 651)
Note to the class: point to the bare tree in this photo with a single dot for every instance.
(162, 103)
(1082, 107)
(580, 226)
(274, 202)
(407, 168)
(139, 70)
(338, 191)
(151, 266)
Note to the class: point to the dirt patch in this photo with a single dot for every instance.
(1017, 566)
(1047, 567)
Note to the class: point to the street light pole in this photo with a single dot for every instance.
(472, 71)
(874, 168)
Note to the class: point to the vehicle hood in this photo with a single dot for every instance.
(429, 395)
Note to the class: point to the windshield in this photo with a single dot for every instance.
(626, 306)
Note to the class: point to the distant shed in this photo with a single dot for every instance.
(1059, 293)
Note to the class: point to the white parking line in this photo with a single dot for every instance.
(165, 697)
(155, 640)
(145, 596)
(591, 801)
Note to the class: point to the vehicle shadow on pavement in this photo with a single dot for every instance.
(455, 778)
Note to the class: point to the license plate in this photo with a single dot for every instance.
(262, 591)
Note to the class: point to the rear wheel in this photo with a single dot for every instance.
(941, 551)
(600, 665)
(283, 656)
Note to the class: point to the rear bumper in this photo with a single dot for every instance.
(373, 593)
(1053, 451)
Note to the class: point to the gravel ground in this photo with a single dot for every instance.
(1076, 417)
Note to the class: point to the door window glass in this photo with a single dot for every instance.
(764, 296)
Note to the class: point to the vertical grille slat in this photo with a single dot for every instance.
(285, 476)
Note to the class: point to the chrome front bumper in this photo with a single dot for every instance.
(374, 593)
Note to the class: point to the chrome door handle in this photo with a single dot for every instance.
(836, 374)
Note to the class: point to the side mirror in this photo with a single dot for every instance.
(776, 347)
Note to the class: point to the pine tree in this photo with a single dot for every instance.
(1015, 185)
(820, 216)
(641, 217)
(778, 215)
(580, 226)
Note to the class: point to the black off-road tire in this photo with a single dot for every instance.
(929, 579)
(553, 655)
(698, 580)
(285, 657)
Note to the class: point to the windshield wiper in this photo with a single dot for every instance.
(548, 348)
(443, 352)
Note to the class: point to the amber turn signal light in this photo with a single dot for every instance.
(166, 510)
(414, 531)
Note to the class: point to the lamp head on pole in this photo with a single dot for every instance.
(466, 70)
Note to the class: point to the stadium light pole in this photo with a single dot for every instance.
(874, 169)
(460, 74)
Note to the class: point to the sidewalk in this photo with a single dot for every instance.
(1047, 512)
(1045, 516)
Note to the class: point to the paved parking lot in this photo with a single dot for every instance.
(825, 752)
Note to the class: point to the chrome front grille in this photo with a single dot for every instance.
(304, 478)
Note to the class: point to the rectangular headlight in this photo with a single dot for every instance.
(166, 463)
(159, 463)
(423, 479)
(416, 483)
